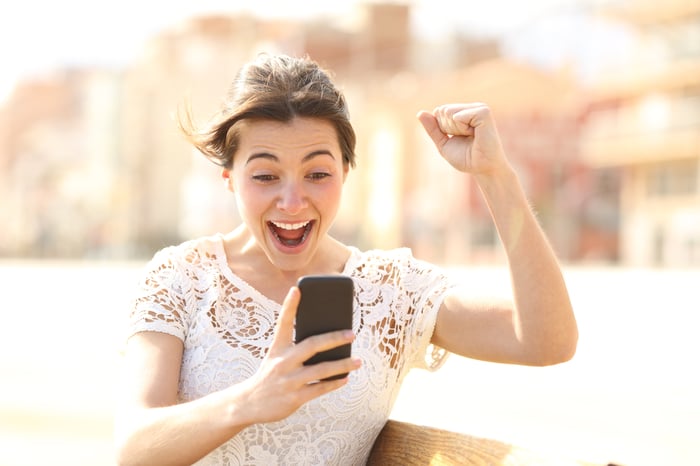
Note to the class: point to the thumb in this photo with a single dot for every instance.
(284, 331)
(430, 124)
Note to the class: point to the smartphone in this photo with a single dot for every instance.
(325, 306)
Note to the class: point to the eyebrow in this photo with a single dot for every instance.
(274, 158)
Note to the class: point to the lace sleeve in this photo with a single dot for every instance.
(160, 304)
(429, 287)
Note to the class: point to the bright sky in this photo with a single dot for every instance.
(41, 35)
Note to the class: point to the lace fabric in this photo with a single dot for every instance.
(226, 326)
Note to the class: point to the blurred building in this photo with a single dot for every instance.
(138, 186)
(643, 129)
(391, 197)
(175, 193)
(59, 164)
(440, 212)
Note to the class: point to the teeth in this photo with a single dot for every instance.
(290, 226)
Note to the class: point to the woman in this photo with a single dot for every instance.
(211, 370)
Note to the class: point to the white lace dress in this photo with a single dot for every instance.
(226, 325)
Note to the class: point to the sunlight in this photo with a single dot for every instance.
(383, 187)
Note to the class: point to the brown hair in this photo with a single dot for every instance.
(273, 87)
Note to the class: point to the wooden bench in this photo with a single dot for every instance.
(405, 444)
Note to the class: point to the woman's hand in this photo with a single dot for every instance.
(466, 136)
(283, 383)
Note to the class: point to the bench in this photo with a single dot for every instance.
(406, 444)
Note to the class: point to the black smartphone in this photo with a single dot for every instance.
(325, 306)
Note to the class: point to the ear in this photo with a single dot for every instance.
(346, 170)
(228, 179)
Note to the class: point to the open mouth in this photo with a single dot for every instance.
(291, 234)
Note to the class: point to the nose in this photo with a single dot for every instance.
(292, 198)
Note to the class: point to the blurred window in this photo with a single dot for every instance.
(688, 110)
(677, 40)
(678, 178)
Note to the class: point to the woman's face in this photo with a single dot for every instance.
(288, 179)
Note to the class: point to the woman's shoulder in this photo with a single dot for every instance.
(381, 256)
(383, 263)
(196, 252)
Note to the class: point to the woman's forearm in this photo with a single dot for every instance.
(179, 434)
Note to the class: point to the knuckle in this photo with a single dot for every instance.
(276, 365)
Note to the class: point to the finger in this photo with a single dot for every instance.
(324, 370)
(284, 329)
(445, 116)
(461, 119)
(451, 109)
(314, 390)
(474, 117)
(430, 124)
(322, 342)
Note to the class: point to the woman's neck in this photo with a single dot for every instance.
(247, 260)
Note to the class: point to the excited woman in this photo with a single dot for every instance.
(211, 371)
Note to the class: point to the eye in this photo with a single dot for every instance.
(264, 178)
(318, 176)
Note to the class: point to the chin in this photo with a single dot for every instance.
(288, 261)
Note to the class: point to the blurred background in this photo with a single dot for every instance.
(598, 105)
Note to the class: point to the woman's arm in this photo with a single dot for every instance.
(539, 327)
(152, 429)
